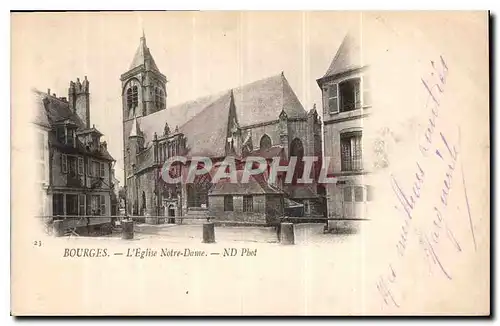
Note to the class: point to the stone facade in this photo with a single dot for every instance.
(77, 164)
(346, 108)
(267, 209)
(267, 108)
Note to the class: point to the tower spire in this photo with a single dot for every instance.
(143, 55)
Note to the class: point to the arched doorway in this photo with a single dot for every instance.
(171, 214)
(297, 150)
(197, 192)
(265, 142)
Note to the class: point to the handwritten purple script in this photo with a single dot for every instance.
(438, 148)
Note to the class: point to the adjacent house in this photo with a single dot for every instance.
(79, 178)
(255, 202)
(42, 130)
(346, 105)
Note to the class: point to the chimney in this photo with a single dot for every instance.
(48, 91)
(80, 100)
(71, 96)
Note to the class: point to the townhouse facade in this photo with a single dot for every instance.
(347, 105)
(78, 166)
(41, 158)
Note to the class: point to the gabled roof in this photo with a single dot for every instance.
(206, 132)
(55, 111)
(268, 153)
(204, 121)
(263, 101)
(175, 116)
(257, 102)
(348, 55)
(143, 55)
(40, 118)
(302, 191)
(92, 130)
(256, 185)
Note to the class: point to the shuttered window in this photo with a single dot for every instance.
(332, 98)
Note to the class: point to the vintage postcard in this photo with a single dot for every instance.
(250, 163)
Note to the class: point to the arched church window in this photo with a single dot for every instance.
(132, 98)
(265, 142)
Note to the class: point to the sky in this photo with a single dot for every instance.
(200, 54)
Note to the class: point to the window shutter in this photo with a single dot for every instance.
(333, 103)
(358, 194)
(357, 95)
(347, 194)
(80, 166)
(103, 205)
(81, 205)
(89, 167)
(88, 201)
(64, 163)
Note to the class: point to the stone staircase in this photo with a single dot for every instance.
(195, 215)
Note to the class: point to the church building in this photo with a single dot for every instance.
(262, 118)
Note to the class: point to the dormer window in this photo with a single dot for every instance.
(95, 142)
(61, 134)
(70, 137)
(347, 96)
(349, 91)
(66, 135)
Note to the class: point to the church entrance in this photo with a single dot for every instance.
(197, 192)
(171, 214)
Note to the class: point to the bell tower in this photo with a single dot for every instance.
(143, 93)
(143, 85)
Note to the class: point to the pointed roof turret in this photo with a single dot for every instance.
(348, 56)
(143, 56)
